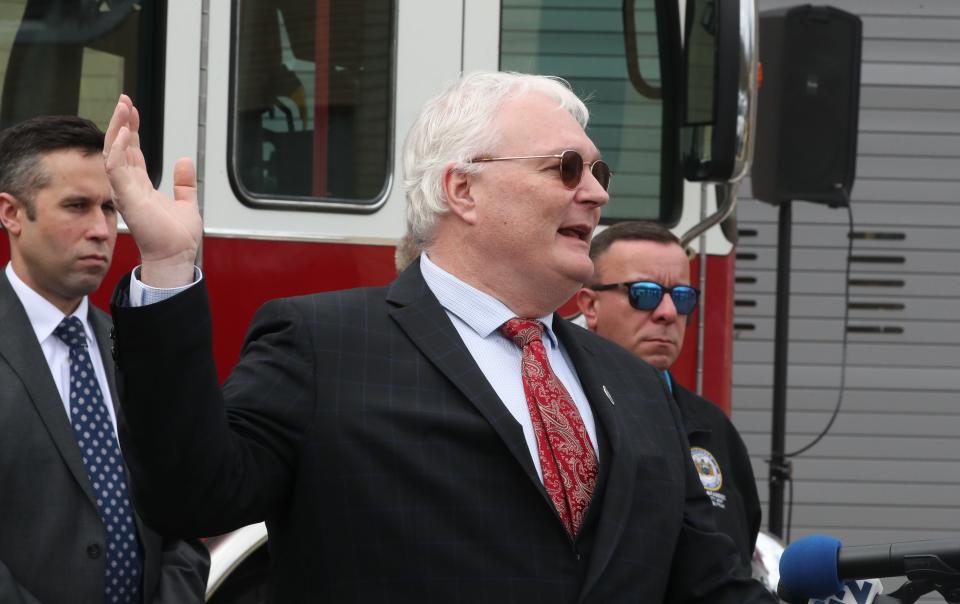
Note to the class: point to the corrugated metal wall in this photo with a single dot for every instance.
(888, 470)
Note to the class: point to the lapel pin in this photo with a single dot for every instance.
(607, 392)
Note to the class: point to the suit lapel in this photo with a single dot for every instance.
(621, 468)
(421, 317)
(101, 331)
(21, 351)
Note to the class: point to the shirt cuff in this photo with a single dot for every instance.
(142, 294)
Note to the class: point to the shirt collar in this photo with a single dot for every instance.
(44, 316)
(483, 313)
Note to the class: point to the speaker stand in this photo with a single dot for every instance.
(779, 466)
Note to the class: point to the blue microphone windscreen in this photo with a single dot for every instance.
(808, 567)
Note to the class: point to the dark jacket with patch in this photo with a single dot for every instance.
(735, 498)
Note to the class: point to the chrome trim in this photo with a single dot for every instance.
(747, 89)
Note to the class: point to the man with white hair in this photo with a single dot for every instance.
(446, 438)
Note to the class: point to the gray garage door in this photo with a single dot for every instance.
(888, 470)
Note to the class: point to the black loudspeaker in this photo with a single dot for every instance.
(808, 104)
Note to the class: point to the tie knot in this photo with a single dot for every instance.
(522, 331)
(70, 330)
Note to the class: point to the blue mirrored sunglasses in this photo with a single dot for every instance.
(646, 295)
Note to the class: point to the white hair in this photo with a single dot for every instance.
(457, 126)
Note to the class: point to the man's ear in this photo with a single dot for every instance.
(588, 301)
(457, 190)
(12, 213)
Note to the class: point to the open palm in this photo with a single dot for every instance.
(167, 231)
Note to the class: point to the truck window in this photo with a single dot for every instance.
(311, 106)
(611, 53)
(75, 57)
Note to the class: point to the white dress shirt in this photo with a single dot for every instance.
(44, 318)
(477, 317)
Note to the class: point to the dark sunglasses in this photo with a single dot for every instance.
(646, 295)
(571, 167)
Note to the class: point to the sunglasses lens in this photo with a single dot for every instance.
(571, 169)
(601, 171)
(684, 299)
(645, 296)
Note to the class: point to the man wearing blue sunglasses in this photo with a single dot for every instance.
(641, 298)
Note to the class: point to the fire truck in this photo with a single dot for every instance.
(295, 112)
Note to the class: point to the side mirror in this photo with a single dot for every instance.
(719, 89)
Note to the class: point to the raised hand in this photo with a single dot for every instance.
(167, 231)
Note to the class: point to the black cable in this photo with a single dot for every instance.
(789, 509)
(843, 371)
(843, 348)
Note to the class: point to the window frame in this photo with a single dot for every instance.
(300, 203)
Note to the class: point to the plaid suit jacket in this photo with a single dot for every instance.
(359, 427)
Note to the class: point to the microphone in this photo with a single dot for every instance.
(814, 566)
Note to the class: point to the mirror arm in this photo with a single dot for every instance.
(633, 62)
(728, 191)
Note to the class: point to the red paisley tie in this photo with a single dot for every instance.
(567, 458)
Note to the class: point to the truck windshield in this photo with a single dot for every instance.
(613, 54)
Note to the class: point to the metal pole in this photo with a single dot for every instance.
(701, 322)
(779, 468)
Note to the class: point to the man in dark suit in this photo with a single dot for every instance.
(67, 532)
(635, 263)
(443, 439)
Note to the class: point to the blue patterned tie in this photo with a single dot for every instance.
(101, 458)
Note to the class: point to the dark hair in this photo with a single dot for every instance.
(637, 230)
(22, 146)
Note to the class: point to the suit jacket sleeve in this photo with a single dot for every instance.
(200, 465)
(183, 572)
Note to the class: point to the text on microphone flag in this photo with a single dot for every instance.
(855, 592)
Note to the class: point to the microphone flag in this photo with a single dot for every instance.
(854, 592)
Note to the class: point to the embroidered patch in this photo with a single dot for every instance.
(708, 468)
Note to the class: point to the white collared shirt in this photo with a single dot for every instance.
(44, 318)
(477, 317)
